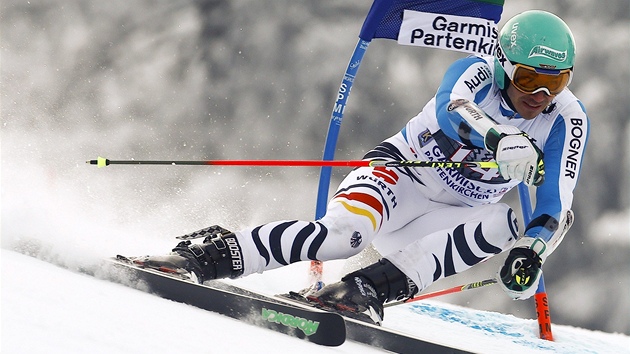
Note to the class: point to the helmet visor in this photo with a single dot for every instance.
(531, 80)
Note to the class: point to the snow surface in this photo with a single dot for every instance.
(51, 309)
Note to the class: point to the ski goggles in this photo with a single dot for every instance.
(532, 80)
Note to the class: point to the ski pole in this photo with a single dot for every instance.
(541, 301)
(455, 289)
(102, 162)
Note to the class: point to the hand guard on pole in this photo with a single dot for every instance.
(516, 154)
(520, 274)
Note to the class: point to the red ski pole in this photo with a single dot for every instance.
(455, 289)
(102, 162)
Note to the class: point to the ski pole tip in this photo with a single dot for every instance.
(99, 162)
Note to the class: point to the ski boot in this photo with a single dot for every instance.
(362, 293)
(219, 256)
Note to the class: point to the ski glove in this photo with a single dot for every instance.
(520, 275)
(516, 154)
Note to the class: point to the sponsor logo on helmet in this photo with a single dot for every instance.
(500, 56)
(514, 35)
(546, 52)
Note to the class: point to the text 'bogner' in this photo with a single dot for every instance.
(575, 145)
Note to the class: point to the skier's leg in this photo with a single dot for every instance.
(481, 233)
(469, 236)
(365, 205)
(368, 202)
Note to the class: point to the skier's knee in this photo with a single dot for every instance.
(502, 226)
(345, 238)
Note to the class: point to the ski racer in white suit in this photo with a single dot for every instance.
(513, 108)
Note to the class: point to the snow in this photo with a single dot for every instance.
(51, 309)
(69, 312)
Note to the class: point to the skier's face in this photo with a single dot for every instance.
(528, 105)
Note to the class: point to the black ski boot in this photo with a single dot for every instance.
(219, 256)
(362, 293)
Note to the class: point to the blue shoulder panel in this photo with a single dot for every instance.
(465, 78)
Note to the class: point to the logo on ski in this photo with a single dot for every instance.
(307, 326)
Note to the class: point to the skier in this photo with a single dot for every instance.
(513, 108)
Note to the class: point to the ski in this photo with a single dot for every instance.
(316, 326)
(280, 313)
(360, 328)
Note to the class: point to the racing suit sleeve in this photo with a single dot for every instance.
(469, 79)
(564, 152)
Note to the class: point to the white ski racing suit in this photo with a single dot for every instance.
(436, 222)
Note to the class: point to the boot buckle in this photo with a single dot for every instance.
(196, 250)
(218, 241)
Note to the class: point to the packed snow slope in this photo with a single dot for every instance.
(51, 309)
